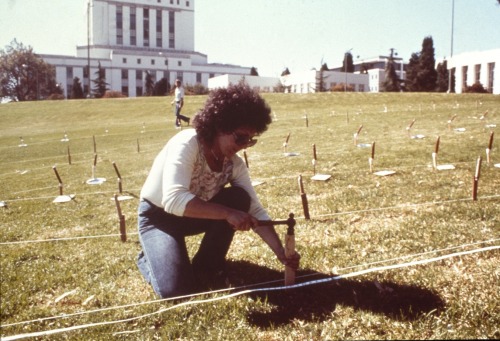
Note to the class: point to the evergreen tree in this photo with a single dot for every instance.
(253, 71)
(347, 63)
(427, 75)
(150, 84)
(442, 77)
(100, 85)
(285, 72)
(161, 87)
(391, 81)
(76, 89)
(411, 83)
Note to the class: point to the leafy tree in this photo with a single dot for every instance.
(442, 77)
(411, 83)
(150, 83)
(76, 89)
(347, 63)
(24, 75)
(324, 67)
(287, 72)
(253, 71)
(427, 75)
(391, 82)
(100, 85)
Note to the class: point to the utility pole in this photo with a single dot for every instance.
(451, 48)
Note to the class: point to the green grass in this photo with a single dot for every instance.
(359, 221)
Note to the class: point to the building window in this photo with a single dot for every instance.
(69, 72)
(198, 77)
(138, 60)
(125, 90)
(180, 76)
(478, 73)
(124, 60)
(133, 26)
(152, 62)
(171, 2)
(212, 75)
(159, 29)
(187, 3)
(124, 74)
(464, 77)
(138, 74)
(171, 29)
(138, 91)
(179, 63)
(119, 25)
(491, 73)
(145, 24)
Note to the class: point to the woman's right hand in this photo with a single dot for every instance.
(241, 221)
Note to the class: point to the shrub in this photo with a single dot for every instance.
(476, 88)
(113, 94)
(55, 97)
(340, 87)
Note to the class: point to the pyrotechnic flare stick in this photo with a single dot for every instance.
(370, 160)
(121, 217)
(476, 178)
(95, 146)
(451, 120)
(138, 147)
(69, 156)
(119, 178)
(94, 166)
(303, 197)
(409, 126)
(357, 134)
(307, 122)
(490, 146)
(289, 243)
(58, 179)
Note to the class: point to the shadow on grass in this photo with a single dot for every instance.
(318, 301)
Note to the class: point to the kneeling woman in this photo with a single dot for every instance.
(185, 194)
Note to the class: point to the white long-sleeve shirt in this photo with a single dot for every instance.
(180, 172)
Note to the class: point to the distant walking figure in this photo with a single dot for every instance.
(179, 103)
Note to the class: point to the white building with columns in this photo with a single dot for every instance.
(476, 67)
(131, 37)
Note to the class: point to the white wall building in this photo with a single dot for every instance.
(261, 84)
(130, 37)
(473, 67)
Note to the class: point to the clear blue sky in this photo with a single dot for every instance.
(274, 34)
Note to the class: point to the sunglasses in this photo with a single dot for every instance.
(244, 140)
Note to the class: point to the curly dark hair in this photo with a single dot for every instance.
(228, 109)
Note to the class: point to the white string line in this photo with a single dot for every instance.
(244, 292)
(297, 218)
(241, 287)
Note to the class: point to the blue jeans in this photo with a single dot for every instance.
(178, 116)
(164, 260)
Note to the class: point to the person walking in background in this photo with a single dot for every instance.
(179, 103)
(185, 194)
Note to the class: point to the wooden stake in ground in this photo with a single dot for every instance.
(408, 128)
(372, 158)
(476, 179)
(314, 159)
(138, 147)
(356, 135)
(303, 197)
(450, 121)
(121, 217)
(119, 178)
(434, 154)
(289, 243)
(95, 145)
(61, 197)
(285, 144)
(69, 156)
(490, 146)
(245, 156)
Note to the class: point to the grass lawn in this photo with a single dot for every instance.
(417, 257)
